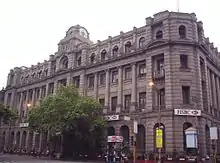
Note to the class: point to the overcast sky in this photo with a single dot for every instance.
(31, 29)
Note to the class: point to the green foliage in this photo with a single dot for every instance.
(65, 111)
(6, 114)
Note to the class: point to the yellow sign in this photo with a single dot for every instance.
(159, 138)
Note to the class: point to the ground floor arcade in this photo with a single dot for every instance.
(173, 137)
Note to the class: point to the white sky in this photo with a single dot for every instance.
(31, 29)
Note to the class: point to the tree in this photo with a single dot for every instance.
(69, 112)
(6, 113)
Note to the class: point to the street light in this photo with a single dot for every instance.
(159, 132)
(28, 105)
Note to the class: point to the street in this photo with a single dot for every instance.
(29, 159)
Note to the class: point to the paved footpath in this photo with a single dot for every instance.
(29, 159)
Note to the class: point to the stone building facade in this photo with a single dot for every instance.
(169, 50)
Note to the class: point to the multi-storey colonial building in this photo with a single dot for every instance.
(170, 50)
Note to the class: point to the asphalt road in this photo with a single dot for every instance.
(29, 159)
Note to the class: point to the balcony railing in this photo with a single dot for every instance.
(159, 74)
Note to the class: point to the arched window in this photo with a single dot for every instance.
(92, 58)
(128, 47)
(79, 61)
(141, 42)
(64, 62)
(159, 34)
(115, 51)
(182, 31)
(103, 55)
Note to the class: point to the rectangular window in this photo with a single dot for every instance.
(142, 70)
(76, 81)
(102, 79)
(114, 103)
(162, 96)
(184, 61)
(114, 76)
(127, 102)
(37, 93)
(128, 73)
(142, 100)
(102, 102)
(160, 65)
(51, 88)
(91, 81)
(186, 94)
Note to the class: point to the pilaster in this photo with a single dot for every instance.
(134, 88)
(119, 92)
(96, 85)
(107, 91)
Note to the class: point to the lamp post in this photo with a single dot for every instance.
(159, 132)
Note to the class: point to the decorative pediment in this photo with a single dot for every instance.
(156, 43)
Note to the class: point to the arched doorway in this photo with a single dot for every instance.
(185, 127)
(23, 141)
(141, 139)
(2, 142)
(124, 131)
(30, 141)
(111, 131)
(207, 139)
(11, 140)
(161, 126)
(17, 143)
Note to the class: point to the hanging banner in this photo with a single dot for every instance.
(159, 138)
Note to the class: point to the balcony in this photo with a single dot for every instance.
(159, 74)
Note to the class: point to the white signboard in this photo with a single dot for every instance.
(135, 127)
(112, 117)
(112, 139)
(23, 125)
(188, 112)
(213, 133)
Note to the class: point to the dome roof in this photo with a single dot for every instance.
(77, 29)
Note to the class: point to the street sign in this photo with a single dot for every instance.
(112, 117)
(213, 133)
(159, 138)
(23, 125)
(113, 139)
(188, 112)
(135, 127)
(126, 118)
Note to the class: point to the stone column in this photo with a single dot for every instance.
(119, 92)
(214, 91)
(26, 141)
(47, 89)
(40, 142)
(134, 88)
(20, 103)
(107, 92)
(217, 91)
(82, 83)
(68, 80)
(209, 88)
(55, 87)
(33, 97)
(40, 94)
(207, 84)
(96, 85)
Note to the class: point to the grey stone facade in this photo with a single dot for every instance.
(170, 49)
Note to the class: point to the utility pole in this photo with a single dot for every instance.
(159, 114)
